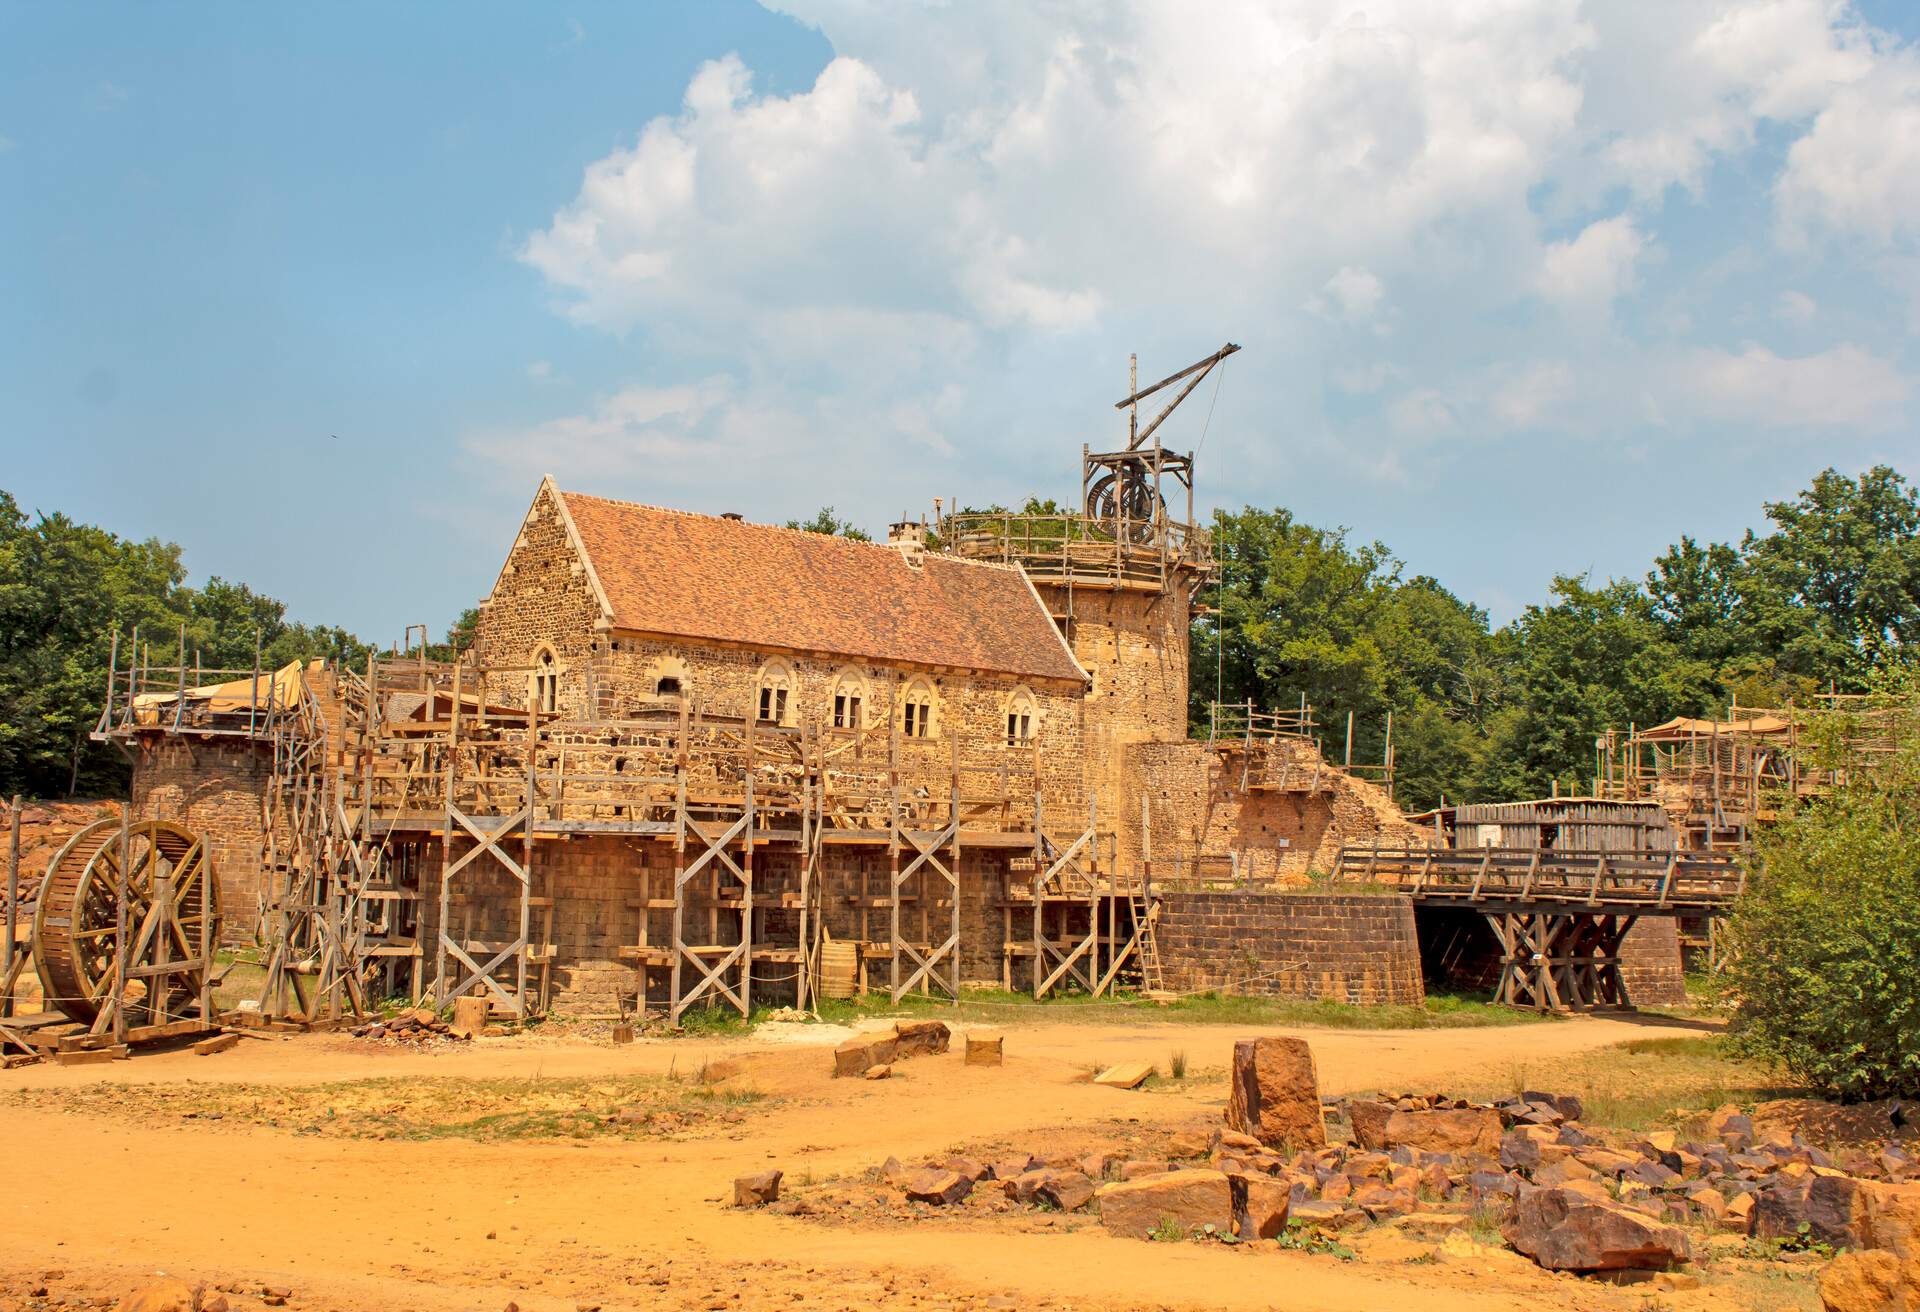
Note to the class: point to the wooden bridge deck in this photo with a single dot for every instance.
(1496, 879)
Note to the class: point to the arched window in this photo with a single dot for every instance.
(546, 681)
(849, 702)
(1022, 717)
(668, 678)
(916, 710)
(776, 693)
(668, 686)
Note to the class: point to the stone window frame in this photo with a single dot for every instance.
(776, 691)
(544, 669)
(669, 667)
(851, 684)
(1021, 703)
(919, 707)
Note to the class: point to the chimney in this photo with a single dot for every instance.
(909, 538)
(734, 515)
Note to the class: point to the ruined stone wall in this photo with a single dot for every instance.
(216, 789)
(1204, 824)
(1354, 948)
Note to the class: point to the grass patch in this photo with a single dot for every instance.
(629, 1107)
(1644, 1083)
(998, 1007)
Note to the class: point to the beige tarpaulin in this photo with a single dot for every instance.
(1683, 727)
(282, 687)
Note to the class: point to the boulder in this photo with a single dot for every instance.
(1135, 1170)
(1563, 1231)
(1274, 1095)
(921, 1038)
(1192, 1143)
(942, 1187)
(863, 1051)
(1469, 1131)
(1025, 1187)
(161, 1296)
(1009, 1167)
(1260, 1205)
(1369, 1121)
(1871, 1280)
(1325, 1214)
(1184, 1200)
(1067, 1190)
(756, 1190)
(983, 1049)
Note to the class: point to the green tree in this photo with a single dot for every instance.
(1834, 591)
(825, 521)
(1826, 941)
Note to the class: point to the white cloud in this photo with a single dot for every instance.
(1857, 170)
(1844, 387)
(1795, 307)
(1012, 197)
(1353, 295)
(1593, 269)
(540, 370)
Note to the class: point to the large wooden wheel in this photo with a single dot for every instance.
(76, 929)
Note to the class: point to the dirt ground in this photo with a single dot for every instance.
(263, 1169)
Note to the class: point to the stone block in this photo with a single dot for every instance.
(1274, 1093)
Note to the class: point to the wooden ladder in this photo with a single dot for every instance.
(1152, 977)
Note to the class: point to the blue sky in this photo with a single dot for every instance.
(1524, 287)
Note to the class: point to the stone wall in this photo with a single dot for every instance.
(544, 598)
(1650, 963)
(1203, 824)
(1356, 948)
(1135, 647)
(216, 789)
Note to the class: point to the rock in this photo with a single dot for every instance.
(1369, 1122)
(1738, 1218)
(921, 1038)
(1135, 1170)
(1186, 1200)
(1274, 1094)
(1430, 1225)
(1473, 1131)
(1260, 1206)
(1326, 1215)
(1025, 1187)
(1602, 1161)
(1067, 1190)
(1127, 1075)
(756, 1190)
(967, 1166)
(1563, 1231)
(863, 1051)
(1520, 1148)
(942, 1187)
(1009, 1167)
(1865, 1281)
(162, 1296)
(877, 1073)
(1099, 1165)
(1561, 1172)
(469, 1017)
(1192, 1143)
(983, 1049)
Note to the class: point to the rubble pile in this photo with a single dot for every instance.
(1565, 1196)
(414, 1027)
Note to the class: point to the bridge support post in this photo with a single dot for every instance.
(1560, 960)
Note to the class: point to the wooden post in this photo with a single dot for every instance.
(13, 908)
(1349, 759)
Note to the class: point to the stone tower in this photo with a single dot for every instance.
(1119, 576)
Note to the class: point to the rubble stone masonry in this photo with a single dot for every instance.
(215, 789)
(1353, 948)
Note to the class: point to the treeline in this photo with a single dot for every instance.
(65, 588)
(1829, 593)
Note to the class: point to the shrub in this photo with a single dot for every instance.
(1826, 942)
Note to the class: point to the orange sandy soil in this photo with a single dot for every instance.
(98, 1200)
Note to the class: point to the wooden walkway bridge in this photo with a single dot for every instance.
(1559, 917)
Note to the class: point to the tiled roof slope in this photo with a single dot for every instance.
(697, 576)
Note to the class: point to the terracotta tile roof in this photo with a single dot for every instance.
(698, 576)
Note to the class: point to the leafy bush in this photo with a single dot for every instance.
(1826, 942)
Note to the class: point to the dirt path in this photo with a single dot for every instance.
(355, 1224)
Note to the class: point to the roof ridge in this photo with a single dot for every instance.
(807, 533)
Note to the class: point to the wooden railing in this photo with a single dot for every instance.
(1650, 881)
